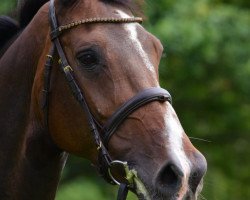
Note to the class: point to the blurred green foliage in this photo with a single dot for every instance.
(206, 67)
(207, 70)
(6, 6)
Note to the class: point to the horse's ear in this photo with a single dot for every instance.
(8, 28)
(68, 2)
(28, 9)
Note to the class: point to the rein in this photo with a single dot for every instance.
(101, 133)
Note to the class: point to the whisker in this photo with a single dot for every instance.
(200, 139)
(202, 197)
(209, 183)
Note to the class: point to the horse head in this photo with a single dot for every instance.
(113, 61)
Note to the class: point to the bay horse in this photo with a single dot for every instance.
(82, 78)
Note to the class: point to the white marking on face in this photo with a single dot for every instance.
(133, 35)
(175, 137)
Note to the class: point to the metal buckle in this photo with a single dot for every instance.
(126, 171)
(67, 68)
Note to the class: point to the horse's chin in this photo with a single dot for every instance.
(159, 197)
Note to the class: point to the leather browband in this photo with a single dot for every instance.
(58, 31)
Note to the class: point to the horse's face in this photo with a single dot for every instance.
(112, 63)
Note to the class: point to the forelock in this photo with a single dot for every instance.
(134, 5)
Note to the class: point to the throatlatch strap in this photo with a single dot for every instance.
(122, 192)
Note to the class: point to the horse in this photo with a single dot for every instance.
(81, 78)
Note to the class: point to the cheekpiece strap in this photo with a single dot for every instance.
(46, 87)
(104, 157)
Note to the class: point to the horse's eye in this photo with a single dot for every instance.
(88, 59)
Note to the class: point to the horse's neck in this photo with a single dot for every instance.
(30, 164)
(39, 167)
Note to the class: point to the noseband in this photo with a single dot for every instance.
(101, 134)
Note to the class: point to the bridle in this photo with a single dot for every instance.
(101, 134)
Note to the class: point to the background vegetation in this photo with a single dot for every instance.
(206, 67)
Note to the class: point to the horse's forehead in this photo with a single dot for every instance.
(91, 8)
(131, 38)
(134, 35)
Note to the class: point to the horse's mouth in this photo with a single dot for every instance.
(148, 196)
(159, 197)
(140, 189)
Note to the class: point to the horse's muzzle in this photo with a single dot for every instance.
(172, 182)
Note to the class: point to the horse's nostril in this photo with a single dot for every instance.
(170, 177)
(195, 180)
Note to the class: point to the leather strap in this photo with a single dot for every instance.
(46, 87)
(122, 192)
(104, 158)
(142, 98)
